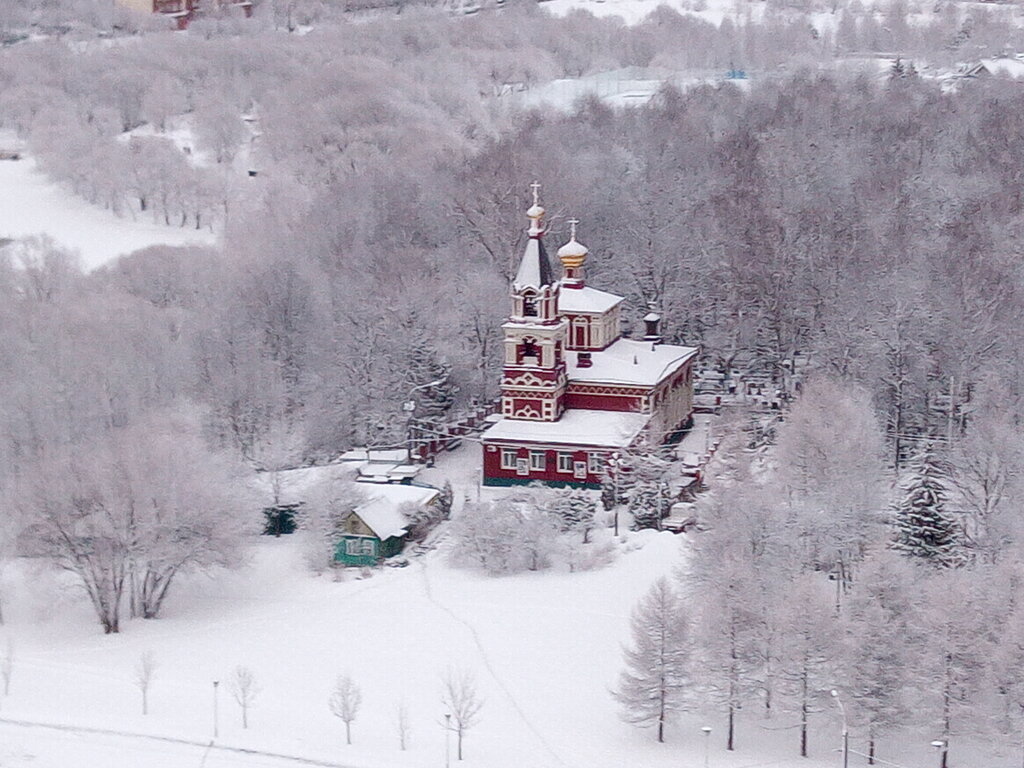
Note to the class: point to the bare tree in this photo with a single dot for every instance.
(402, 725)
(346, 698)
(462, 702)
(653, 686)
(244, 689)
(143, 677)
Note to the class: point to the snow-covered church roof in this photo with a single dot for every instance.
(629, 362)
(599, 429)
(587, 301)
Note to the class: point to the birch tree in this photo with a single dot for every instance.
(345, 701)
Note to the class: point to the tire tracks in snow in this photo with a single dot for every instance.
(485, 657)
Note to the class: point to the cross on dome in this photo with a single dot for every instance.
(536, 192)
(572, 228)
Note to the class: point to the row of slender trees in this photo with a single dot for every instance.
(820, 571)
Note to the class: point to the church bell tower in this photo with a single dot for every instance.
(534, 379)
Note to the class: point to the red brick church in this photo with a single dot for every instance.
(573, 390)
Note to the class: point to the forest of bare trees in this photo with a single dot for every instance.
(870, 225)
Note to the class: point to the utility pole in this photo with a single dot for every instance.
(846, 732)
(216, 724)
(447, 740)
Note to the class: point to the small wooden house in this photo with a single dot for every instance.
(377, 528)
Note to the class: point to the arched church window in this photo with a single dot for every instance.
(529, 349)
(529, 306)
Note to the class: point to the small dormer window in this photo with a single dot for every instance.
(529, 306)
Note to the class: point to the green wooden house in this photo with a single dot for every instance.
(377, 528)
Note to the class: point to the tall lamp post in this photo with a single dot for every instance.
(846, 732)
(216, 718)
(409, 406)
(706, 730)
(447, 739)
(615, 464)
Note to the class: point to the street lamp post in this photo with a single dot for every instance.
(706, 730)
(409, 406)
(942, 747)
(615, 464)
(447, 740)
(846, 732)
(216, 724)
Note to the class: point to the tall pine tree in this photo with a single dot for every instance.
(924, 527)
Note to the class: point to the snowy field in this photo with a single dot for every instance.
(32, 204)
(545, 649)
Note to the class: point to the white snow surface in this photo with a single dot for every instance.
(545, 649)
(631, 362)
(578, 426)
(31, 204)
(586, 300)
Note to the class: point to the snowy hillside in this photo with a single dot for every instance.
(31, 204)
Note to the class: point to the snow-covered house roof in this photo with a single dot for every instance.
(382, 511)
(587, 301)
(631, 363)
(998, 67)
(599, 429)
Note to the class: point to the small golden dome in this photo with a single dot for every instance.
(574, 253)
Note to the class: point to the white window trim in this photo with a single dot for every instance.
(595, 463)
(360, 546)
(565, 462)
(508, 458)
(538, 460)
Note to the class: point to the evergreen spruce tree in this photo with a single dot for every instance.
(574, 509)
(423, 365)
(924, 528)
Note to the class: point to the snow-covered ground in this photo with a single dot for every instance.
(31, 204)
(545, 649)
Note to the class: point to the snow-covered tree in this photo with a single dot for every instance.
(462, 704)
(925, 529)
(320, 520)
(140, 506)
(807, 648)
(244, 689)
(143, 675)
(505, 536)
(574, 509)
(656, 684)
(829, 456)
(345, 701)
(960, 619)
(881, 638)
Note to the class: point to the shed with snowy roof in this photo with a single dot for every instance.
(377, 528)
